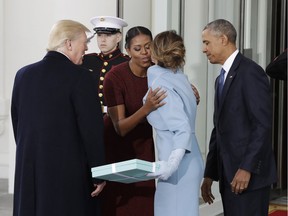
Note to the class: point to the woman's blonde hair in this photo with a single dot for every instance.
(64, 30)
(169, 50)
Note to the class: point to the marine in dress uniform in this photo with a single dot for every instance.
(100, 63)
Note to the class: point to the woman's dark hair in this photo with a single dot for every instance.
(133, 32)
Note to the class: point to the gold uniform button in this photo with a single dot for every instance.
(101, 102)
(103, 70)
(100, 86)
(100, 95)
(110, 56)
(101, 78)
(105, 63)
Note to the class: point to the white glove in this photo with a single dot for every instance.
(162, 167)
(168, 168)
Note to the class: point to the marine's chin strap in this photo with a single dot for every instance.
(89, 37)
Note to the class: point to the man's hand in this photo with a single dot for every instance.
(206, 191)
(196, 93)
(98, 189)
(240, 181)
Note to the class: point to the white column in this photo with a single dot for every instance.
(262, 33)
(159, 16)
(247, 25)
(4, 108)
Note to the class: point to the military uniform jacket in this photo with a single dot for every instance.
(99, 64)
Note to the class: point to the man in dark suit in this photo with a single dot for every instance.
(58, 128)
(240, 151)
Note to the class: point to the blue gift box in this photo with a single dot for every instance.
(129, 171)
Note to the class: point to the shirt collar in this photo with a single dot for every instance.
(63, 54)
(228, 63)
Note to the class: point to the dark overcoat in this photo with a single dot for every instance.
(58, 128)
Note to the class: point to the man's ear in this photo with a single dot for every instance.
(225, 40)
(119, 37)
(68, 44)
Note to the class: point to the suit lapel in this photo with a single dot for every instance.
(229, 79)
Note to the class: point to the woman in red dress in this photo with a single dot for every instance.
(128, 135)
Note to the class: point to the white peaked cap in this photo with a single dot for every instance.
(108, 24)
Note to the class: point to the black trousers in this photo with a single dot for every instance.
(248, 203)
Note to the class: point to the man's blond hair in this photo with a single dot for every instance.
(62, 31)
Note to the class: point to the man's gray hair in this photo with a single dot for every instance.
(222, 27)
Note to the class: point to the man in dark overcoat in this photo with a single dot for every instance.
(58, 128)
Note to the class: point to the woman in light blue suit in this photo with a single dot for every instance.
(181, 164)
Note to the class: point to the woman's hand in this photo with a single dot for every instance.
(196, 93)
(154, 99)
(123, 124)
